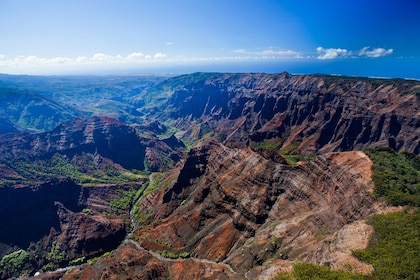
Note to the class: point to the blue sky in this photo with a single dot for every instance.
(362, 38)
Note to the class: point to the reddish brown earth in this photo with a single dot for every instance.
(322, 114)
(250, 215)
(232, 208)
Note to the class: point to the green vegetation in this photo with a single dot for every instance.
(396, 176)
(172, 255)
(306, 271)
(404, 86)
(289, 153)
(394, 247)
(159, 181)
(126, 200)
(56, 255)
(267, 145)
(14, 263)
(59, 166)
(87, 211)
(78, 261)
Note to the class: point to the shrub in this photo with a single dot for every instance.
(307, 271)
(394, 247)
(14, 263)
(396, 176)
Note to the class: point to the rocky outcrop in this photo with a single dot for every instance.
(83, 235)
(132, 262)
(52, 212)
(322, 114)
(248, 212)
(232, 208)
(98, 135)
(28, 214)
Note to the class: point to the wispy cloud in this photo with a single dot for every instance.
(159, 55)
(101, 58)
(20, 64)
(333, 53)
(271, 53)
(378, 52)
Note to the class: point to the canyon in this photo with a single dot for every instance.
(223, 176)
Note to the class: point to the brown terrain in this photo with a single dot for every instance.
(320, 113)
(243, 216)
(232, 207)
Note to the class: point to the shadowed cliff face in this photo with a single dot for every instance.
(321, 113)
(28, 214)
(105, 136)
(52, 212)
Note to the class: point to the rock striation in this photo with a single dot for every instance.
(97, 135)
(234, 207)
(248, 213)
(321, 113)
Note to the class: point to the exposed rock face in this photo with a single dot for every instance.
(232, 208)
(132, 262)
(83, 235)
(28, 214)
(52, 212)
(102, 135)
(250, 213)
(322, 114)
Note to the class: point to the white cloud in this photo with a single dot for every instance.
(159, 55)
(169, 43)
(12, 65)
(271, 53)
(332, 53)
(135, 55)
(378, 52)
(81, 59)
(100, 57)
(59, 60)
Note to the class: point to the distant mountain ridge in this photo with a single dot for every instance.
(320, 113)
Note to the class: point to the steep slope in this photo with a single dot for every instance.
(236, 206)
(61, 191)
(319, 113)
(98, 139)
(47, 222)
(39, 103)
(252, 215)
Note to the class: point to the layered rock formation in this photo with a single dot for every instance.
(233, 207)
(101, 135)
(250, 214)
(320, 113)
